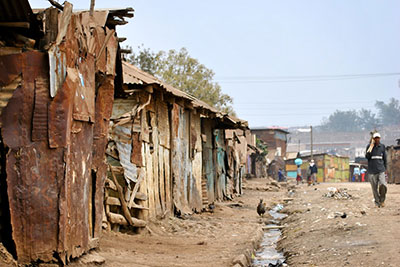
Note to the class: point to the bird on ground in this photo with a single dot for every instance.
(261, 208)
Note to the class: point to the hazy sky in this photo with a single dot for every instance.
(248, 42)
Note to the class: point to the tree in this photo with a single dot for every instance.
(389, 114)
(180, 70)
(367, 120)
(342, 121)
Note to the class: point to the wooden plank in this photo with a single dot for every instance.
(119, 219)
(141, 196)
(156, 173)
(10, 24)
(113, 201)
(110, 184)
(135, 189)
(149, 179)
(167, 182)
(125, 209)
(161, 177)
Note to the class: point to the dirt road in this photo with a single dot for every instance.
(315, 234)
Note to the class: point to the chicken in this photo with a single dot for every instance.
(261, 208)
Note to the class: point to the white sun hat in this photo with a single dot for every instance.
(376, 135)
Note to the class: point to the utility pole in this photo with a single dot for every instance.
(312, 156)
(91, 7)
(299, 146)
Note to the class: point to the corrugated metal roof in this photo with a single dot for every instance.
(15, 10)
(134, 75)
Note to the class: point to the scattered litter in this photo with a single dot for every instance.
(360, 224)
(337, 214)
(340, 193)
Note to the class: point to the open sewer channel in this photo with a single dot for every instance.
(267, 255)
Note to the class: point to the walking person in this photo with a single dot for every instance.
(299, 178)
(363, 171)
(356, 174)
(376, 155)
(313, 172)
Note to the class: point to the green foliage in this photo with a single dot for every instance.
(389, 114)
(262, 146)
(342, 121)
(364, 119)
(180, 70)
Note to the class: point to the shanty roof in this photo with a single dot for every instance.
(269, 129)
(19, 13)
(134, 75)
(15, 11)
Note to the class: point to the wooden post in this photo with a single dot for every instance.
(312, 156)
(91, 7)
(124, 206)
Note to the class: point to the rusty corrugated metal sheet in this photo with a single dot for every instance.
(393, 164)
(15, 10)
(56, 138)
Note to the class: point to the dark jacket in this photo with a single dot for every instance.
(313, 169)
(376, 159)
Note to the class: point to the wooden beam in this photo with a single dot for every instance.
(121, 39)
(116, 22)
(125, 51)
(109, 34)
(25, 25)
(113, 201)
(125, 209)
(119, 219)
(56, 4)
(135, 189)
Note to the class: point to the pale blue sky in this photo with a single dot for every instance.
(247, 39)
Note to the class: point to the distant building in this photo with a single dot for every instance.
(275, 138)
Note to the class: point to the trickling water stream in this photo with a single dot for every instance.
(267, 255)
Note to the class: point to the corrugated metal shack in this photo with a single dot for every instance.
(393, 163)
(331, 168)
(56, 93)
(168, 152)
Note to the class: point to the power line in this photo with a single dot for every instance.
(278, 79)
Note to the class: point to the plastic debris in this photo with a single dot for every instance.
(340, 193)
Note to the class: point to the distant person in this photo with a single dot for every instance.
(363, 171)
(281, 176)
(356, 174)
(299, 178)
(376, 156)
(312, 173)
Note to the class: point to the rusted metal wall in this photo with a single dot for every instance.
(393, 157)
(56, 140)
(208, 185)
(221, 164)
(186, 177)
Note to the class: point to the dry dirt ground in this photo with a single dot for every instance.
(317, 235)
(314, 234)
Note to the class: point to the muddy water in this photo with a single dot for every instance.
(267, 255)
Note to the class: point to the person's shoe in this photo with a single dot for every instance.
(382, 204)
